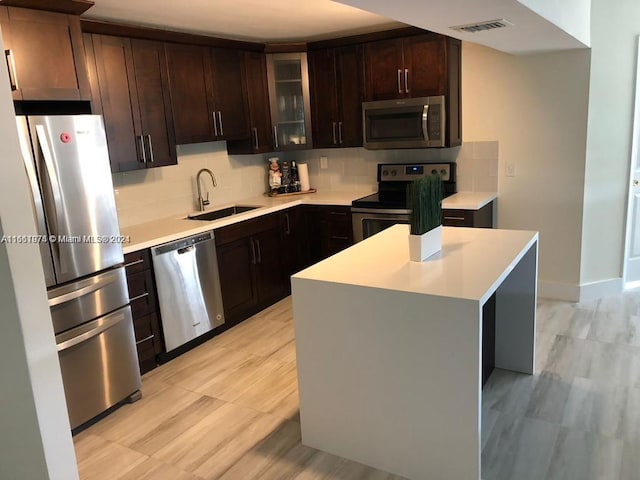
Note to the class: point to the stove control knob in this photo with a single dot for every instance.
(385, 173)
(434, 171)
(443, 172)
(394, 173)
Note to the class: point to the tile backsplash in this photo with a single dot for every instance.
(355, 168)
(146, 195)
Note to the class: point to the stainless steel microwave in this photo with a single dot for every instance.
(407, 123)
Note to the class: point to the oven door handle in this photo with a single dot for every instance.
(379, 213)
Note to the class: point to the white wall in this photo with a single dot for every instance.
(536, 107)
(615, 28)
(35, 438)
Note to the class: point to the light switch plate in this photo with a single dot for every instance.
(324, 162)
(510, 170)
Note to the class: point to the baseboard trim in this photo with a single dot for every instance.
(578, 293)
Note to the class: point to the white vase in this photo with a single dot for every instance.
(423, 246)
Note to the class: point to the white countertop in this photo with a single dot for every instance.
(471, 264)
(469, 200)
(164, 230)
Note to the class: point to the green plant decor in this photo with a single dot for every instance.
(424, 200)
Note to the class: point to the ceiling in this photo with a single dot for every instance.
(535, 22)
(255, 20)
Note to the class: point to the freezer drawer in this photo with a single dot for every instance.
(75, 303)
(99, 365)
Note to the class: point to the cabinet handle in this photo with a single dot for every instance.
(288, 227)
(406, 80)
(340, 132)
(253, 251)
(399, 81)
(11, 66)
(342, 214)
(255, 138)
(145, 294)
(220, 122)
(215, 125)
(334, 133)
(335, 237)
(461, 219)
(275, 136)
(136, 262)
(142, 149)
(151, 157)
(145, 339)
(259, 252)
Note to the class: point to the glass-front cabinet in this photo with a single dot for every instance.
(289, 100)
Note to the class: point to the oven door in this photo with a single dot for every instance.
(368, 222)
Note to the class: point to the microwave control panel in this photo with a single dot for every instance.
(407, 172)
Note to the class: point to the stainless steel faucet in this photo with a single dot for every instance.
(203, 202)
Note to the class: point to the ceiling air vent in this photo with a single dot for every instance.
(482, 26)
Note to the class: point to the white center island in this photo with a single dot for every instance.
(390, 352)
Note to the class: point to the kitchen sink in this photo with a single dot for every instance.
(222, 213)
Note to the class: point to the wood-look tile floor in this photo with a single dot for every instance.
(229, 408)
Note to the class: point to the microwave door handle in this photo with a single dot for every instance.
(425, 124)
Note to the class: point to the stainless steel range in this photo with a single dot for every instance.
(374, 213)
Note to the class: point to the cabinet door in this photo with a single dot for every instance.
(323, 93)
(288, 76)
(295, 240)
(384, 74)
(191, 93)
(350, 90)
(236, 261)
(425, 64)
(116, 89)
(228, 95)
(45, 55)
(154, 102)
(258, 97)
(271, 280)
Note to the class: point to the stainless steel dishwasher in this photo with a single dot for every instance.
(188, 284)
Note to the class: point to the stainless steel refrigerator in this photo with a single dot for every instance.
(67, 165)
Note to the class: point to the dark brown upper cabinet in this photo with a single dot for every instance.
(257, 91)
(337, 90)
(207, 93)
(413, 66)
(130, 88)
(44, 55)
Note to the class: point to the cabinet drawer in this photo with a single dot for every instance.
(141, 293)
(457, 218)
(137, 261)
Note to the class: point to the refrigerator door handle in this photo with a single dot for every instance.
(55, 186)
(98, 326)
(36, 198)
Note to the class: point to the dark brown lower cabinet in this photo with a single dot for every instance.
(251, 266)
(144, 309)
(482, 218)
(330, 230)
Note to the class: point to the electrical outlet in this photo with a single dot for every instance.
(324, 163)
(510, 170)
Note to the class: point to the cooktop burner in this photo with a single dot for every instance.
(393, 179)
